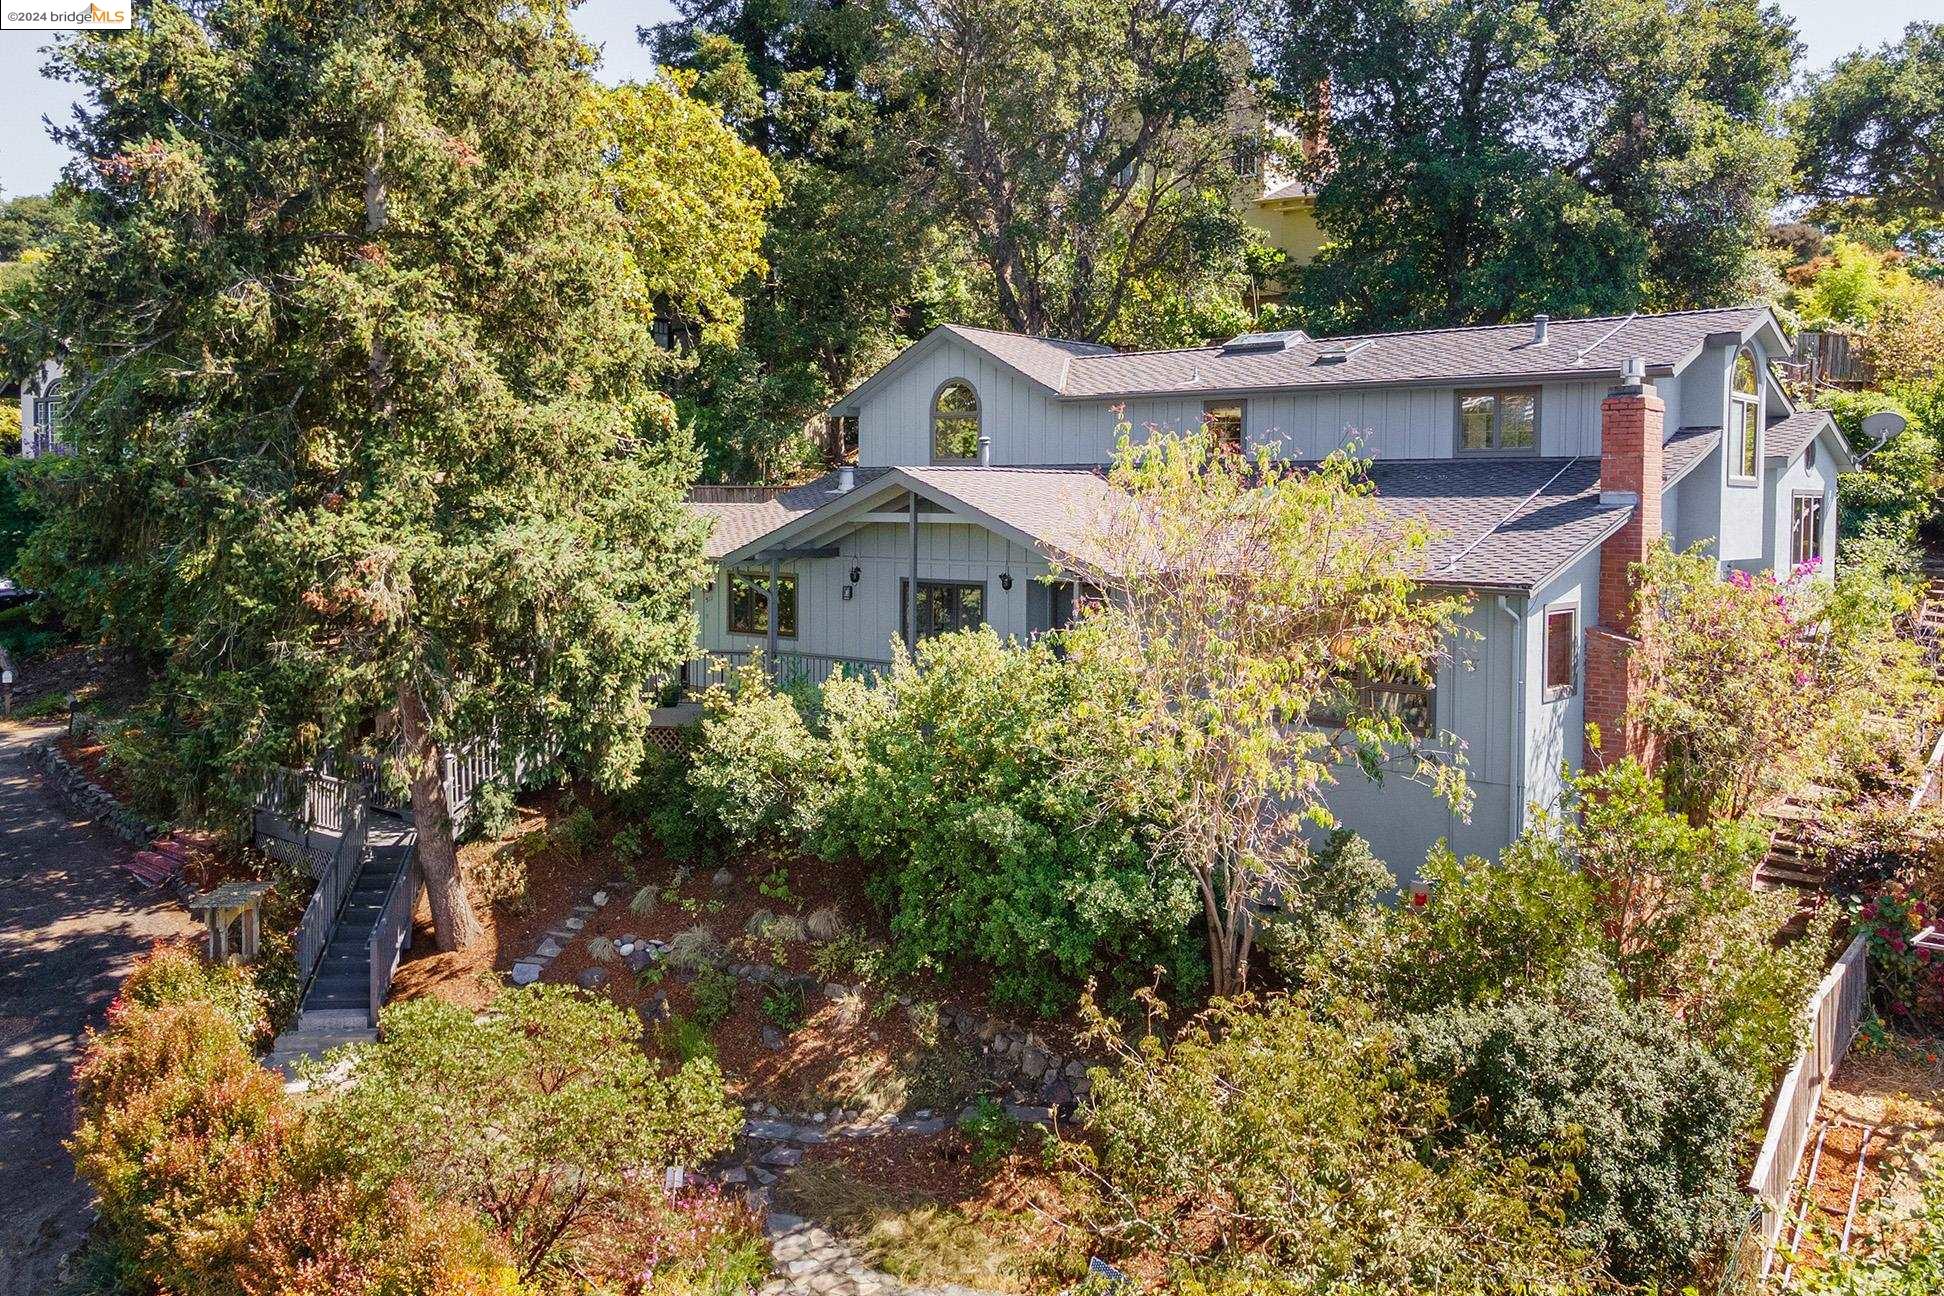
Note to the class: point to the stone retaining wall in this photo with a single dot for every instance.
(87, 798)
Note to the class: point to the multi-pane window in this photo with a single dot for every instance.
(749, 603)
(945, 606)
(1745, 421)
(1505, 420)
(1805, 528)
(47, 421)
(1226, 422)
(1562, 652)
(955, 423)
(1412, 702)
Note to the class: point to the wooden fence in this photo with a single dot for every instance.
(1833, 1014)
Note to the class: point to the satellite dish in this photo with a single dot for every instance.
(1883, 425)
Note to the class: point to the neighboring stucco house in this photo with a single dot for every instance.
(40, 415)
(1548, 456)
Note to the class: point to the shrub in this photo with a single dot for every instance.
(713, 996)
(1271, 1149)
(1000, 790)
(756, 771)
(180, 1134)
(176, 974)
(783, 1007)
(990, 1131)
(493, 810)
(1651, 1120)
(537, 1115)
(686, 1040)
(499, 875)
(1906, 982)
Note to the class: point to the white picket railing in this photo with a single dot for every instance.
(1833, 1014)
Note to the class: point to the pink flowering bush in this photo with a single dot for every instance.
(1906, 979)
(1750, 685)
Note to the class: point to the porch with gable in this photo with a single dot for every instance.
(894, 557)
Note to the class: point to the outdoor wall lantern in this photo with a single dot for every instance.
(848, 591)
(856, 574)
(1005, 580)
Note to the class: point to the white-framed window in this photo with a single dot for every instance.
(1805, 527)
(1499, 421)
(47, 420)
(1745, 420)
(955, 423)
(1562, 652)
(1227, 422)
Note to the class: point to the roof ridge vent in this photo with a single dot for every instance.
(1279, 340)
(1340, 352)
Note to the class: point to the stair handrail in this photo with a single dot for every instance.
(391, 934)
(334, 886)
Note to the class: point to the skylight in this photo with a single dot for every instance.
(1278, 341)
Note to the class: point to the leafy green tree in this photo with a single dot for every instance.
(1489, 160)
(543, 1115)
(850, 248)
(1091, 151)
(35, 221)
(1242, 592)
(1870, 134)
(361, 353)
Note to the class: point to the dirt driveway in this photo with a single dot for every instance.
(69, 925)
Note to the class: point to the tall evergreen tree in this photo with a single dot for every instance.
(1489, 159)
(361, 362)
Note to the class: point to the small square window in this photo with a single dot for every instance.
(1562, 652)
(1227, 423)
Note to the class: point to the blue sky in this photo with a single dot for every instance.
(30, 162)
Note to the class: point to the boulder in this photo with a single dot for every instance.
(772, 1038)
(592, 979)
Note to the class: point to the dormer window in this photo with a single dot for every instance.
(1745, 421)
(1503, 421)
(955, 423)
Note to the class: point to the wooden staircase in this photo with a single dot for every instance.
(337, 1004)
(1794, 859)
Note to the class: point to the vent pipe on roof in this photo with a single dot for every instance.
(985, 451)
(1539, 323)
(1633, 373)
(846, 479)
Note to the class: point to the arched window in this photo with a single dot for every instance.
(1745, 420)
(955, 423)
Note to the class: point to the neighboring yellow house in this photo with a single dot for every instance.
(1286, 214)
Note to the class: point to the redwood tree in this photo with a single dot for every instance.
(359, 348)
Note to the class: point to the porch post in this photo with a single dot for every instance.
(771, 651)
(911, 586)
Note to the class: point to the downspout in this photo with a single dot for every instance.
(1516, 810)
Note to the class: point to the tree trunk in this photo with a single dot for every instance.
(453, 921)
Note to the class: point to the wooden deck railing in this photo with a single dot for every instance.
(1833, 1014)
(707, 669)
(334, 883)
(392, 935)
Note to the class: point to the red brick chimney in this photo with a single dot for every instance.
(1630, 473)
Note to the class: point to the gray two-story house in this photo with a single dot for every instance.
(1546, 456)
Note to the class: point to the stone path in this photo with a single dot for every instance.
(69, 925)
(812, 1261)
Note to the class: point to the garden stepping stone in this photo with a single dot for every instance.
(548, 948)
(527, 971)
(783, 1156)
(774, 1130)
(600, 899)
(574, 924)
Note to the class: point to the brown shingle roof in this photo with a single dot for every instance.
(1684, 450)
(1498, 524)
(1043, 359)
(736, 523)
(1791, 436)
(1591, 348)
